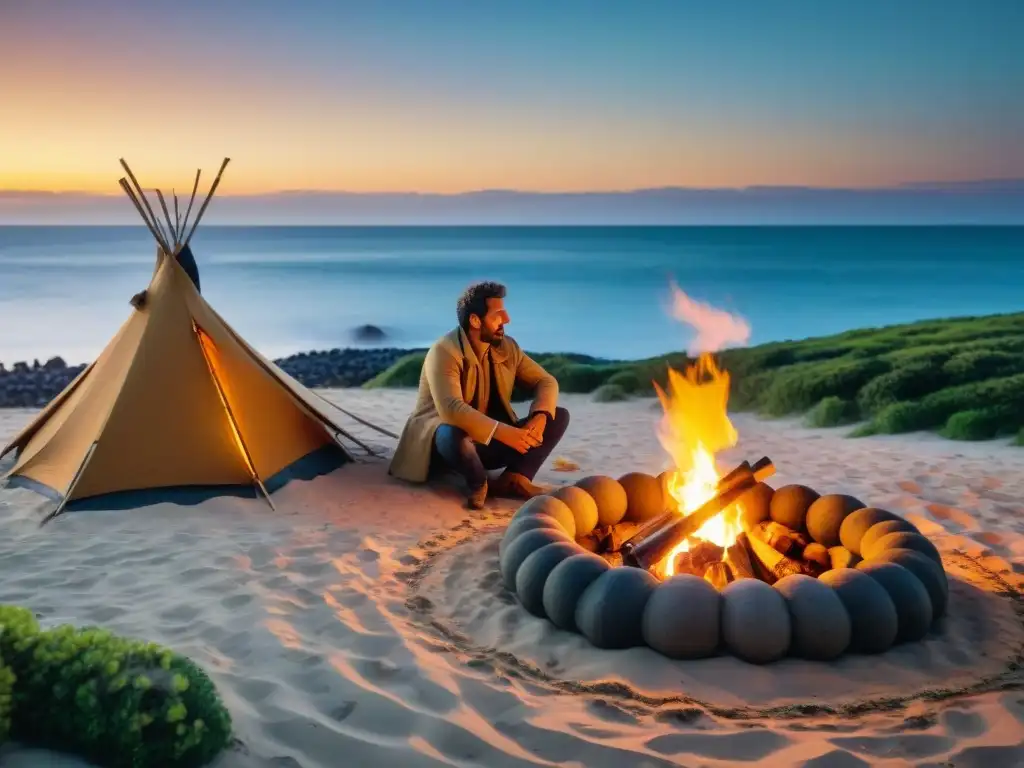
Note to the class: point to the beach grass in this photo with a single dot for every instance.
(962, 378)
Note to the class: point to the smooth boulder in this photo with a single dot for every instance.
(873, 619)
(566, 584)
(913, 604)
(645, 496)
(682, 618)
(549, 505)
(789, 505)
(534, 571)
(878, 530)
(524, 546)
(904, 540)
(856, 524)
(755, 505)
(755, 621)
(582, 506)
(609, 495)
(825, 517)
(520, 525)
(820, 623)
(932, 576)
(610, 611)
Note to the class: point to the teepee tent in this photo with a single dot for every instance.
(176, 399)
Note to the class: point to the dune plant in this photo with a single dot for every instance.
(112, 700)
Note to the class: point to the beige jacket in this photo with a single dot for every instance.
(448, 384)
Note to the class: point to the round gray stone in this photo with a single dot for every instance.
(755, 621)
(610, 611)
(566, 584)
(873, 618)
(524, 546)
(878, 530)
(931, 575)
(856, 524)
(683, 617)
(534, 572)
(821, 625)
(913, 604)
(521, 525)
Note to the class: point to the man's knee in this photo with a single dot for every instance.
(558, 424)
(562, 415)
(451, 439)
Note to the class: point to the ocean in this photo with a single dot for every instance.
(604, 291)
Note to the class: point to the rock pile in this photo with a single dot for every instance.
(33, 385)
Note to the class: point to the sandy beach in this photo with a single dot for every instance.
(365, 623)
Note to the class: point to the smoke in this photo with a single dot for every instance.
(715, 328)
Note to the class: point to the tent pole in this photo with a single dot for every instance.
(138, 206)
(142, 196)
(71, 487)
(206, 202)
(167, 216)
(188, 211)
(231, 416)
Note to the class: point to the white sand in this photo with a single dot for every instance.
(364, 624)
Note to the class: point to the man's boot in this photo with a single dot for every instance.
(516, 486)
(477, 497)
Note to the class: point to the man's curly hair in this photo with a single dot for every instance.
(473, 301)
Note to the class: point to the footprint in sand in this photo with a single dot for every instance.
(953, 515)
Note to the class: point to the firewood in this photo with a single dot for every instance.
(719, 575)
(776, 562)
(738, 557)
(619, 534)
(591, 542)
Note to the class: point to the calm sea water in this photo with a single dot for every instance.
(603, 291)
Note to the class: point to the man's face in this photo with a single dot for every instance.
(492, 324)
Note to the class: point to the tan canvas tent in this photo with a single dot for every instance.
(176, 399)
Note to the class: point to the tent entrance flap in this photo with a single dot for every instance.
(209, 350)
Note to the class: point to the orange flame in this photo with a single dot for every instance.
(695, 425)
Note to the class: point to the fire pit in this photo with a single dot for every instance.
(693, 562)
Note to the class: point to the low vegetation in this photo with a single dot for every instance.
(962, 378)
(111, 700)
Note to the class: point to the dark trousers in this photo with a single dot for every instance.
(472, 460)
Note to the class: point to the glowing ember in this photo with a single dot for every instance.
(695, 425)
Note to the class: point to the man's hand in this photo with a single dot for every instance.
(535, 426)
(519, 440)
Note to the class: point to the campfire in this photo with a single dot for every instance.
(701, 530)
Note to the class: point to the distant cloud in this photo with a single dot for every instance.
(985, 201)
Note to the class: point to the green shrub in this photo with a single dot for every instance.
(832, 412)
(906, 382)
(980, 424)
(978, 364)
(799, 387)
(582, 377)
(13, 621)
(404, 373)
(610, 393)
(114, 701)
(628, 381)
(1020, 437)
(900, 417)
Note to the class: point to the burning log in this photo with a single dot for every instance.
(738, 557)
(719, 575)
(699, 558)
(776, 563)
(650, 547)
(779, 537)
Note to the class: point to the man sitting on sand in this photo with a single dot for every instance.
(463, 419)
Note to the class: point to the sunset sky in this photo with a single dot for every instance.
(456, 95)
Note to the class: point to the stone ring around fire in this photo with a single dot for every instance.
(779, 572)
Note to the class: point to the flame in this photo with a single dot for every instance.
(695, 423)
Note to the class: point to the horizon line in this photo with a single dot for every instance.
(987, 184)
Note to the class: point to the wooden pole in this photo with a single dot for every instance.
(131, 196)
(177, 218)
(209, 197)
(167, 216)
(184, 222)
(143, 198)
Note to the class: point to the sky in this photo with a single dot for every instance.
(448, 96)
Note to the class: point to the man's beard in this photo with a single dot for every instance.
(494, 339)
